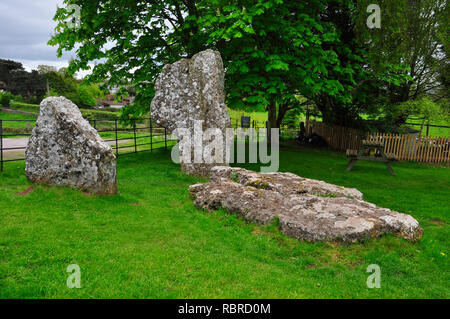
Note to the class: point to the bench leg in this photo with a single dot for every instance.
(388, 164)
(351, 164)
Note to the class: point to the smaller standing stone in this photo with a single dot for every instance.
(64, 150)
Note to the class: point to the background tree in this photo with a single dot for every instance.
(5, 98)
(411, 41)
(85, 95)
(62, 84)
(30, 85)
(6, 66)
(44, 69)
(424, 109)
(89, 94)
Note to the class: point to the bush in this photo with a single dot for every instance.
(33, 108)
(5, 99)
(292, 119)
(109, 109)
(51, 93)
(99, 115)
(62, 83)
(73, 96)
(17, 130)
(86, 95)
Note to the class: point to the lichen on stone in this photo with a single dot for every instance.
(191, 90)
(259, 184)
(64, 150)
(328, 213)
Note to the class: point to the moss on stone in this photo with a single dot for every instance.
(301, 189)
(234, 177)
(259, 184)
(331, 195)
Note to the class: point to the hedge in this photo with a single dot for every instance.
(33, 108)
(17, 130)
(87, 113)
(6, 98)
(99, 115)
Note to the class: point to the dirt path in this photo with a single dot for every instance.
(15, 142)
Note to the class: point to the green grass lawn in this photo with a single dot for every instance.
(151, 242)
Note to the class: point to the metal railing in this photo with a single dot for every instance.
(427, 126)
(284, 130)
(142, 135)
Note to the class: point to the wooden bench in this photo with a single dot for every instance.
(371, 151)
(392, 157)
(352, 153)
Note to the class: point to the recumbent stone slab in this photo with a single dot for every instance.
(307, 209)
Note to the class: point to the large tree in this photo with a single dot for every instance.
(273, 50)
(129, 41)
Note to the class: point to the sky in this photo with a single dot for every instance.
(25, 28)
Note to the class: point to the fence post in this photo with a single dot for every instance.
(253, 130)
(428, 128)
(134, 131)
(1, 145)
(268, 132)
(165, 138)
(95, 124)
(117, 144)
(151, 135)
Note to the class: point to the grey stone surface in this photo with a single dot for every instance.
(307, 209)
(191, 90)
(65, 150)
(284, 183)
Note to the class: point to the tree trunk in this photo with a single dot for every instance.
(282, 109)
(307, 120)
(421, 127)
(271, 119)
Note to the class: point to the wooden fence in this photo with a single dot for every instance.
(339, 137)
(429, 149)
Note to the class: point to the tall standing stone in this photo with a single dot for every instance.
(64, 150)
(192, 90)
